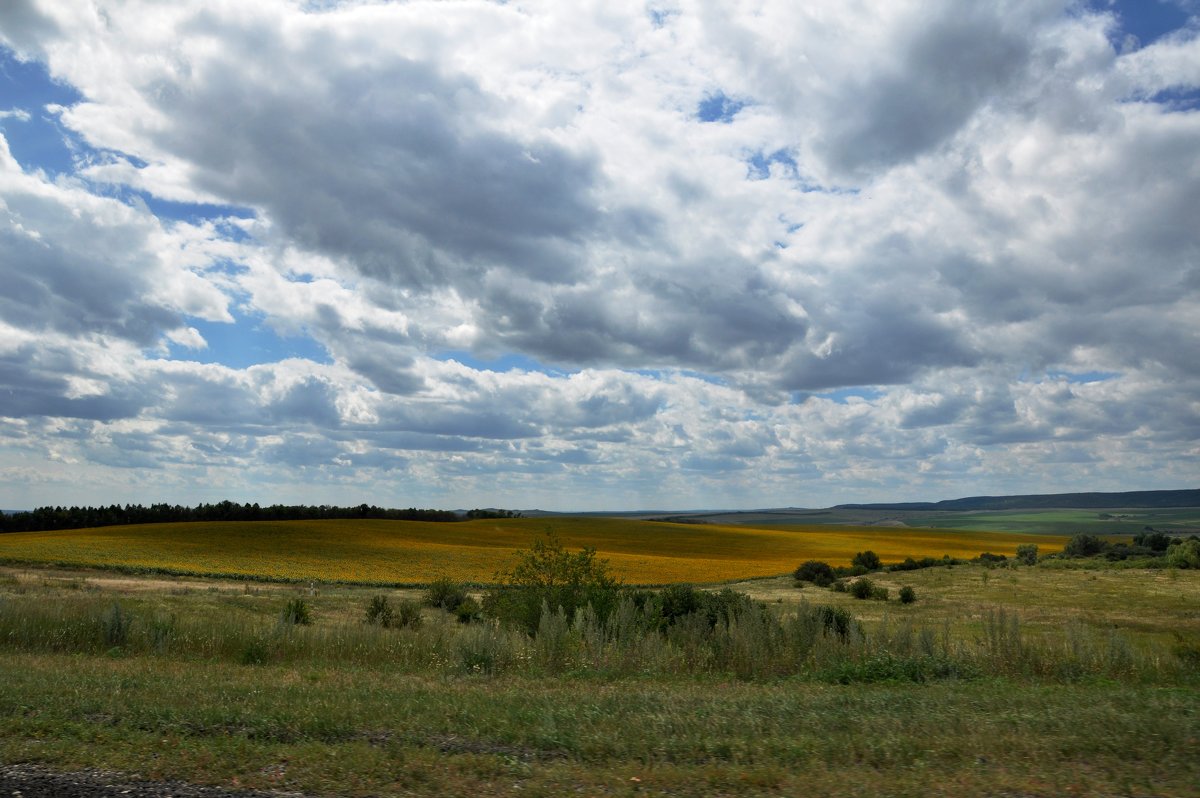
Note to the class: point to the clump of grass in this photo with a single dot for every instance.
(114, 626)
(256, 651)
(445, 594)
(468, 610)
(1187, 651)
(886, 667)
(408, 614)
(836, 622)
(863, 588)
(296, 613)
(380, 612)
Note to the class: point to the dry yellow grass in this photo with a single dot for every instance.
(640, 552)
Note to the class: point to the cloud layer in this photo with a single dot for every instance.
(597, 256)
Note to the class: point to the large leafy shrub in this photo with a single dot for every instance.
(867, 560)
(445, 594)
(819, 573)
(547, 573)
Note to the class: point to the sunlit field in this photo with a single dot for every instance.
(411, 552)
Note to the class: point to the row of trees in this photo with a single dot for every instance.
(48, 518)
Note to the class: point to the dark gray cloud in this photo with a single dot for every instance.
(72, 270)
(388, 162)
(309, 401)
(958, 58)
(26, 391)
(24, 26)
(302, 451)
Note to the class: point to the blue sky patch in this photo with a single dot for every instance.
(1077, 377)
(193, 212)
(1146, 20)
(39, 142)
(759, 164)
(718, 108)
(1178, 99)
(841, 396)
(660, 17)
(248, 341)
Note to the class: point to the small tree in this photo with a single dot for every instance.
(1027, 554)
(1155, 541)
(1185, 554)
(468, 610)
(819, 573)
(445, 594)
(907, 595)
(1083, 545)
(868, 560)
(380, 613)
(862, 588)
(296, 613)
(548, 573)
(408, 614)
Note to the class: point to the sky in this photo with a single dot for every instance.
(597, 255)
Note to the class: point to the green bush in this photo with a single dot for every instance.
(867, 560)
(380, 613)
(1185, 554)
(815, 571)
(879, 593)
(907, 595)
(408, 614)
(1187, 651)
(1083, 545)
(296, 613)
(256, 652)
(862, 588)
(548, 574)
(114, 625)
(468, 610)
(675, 602)
(1027, 554)
(836, 622)
(1155, 541)
(445, 594)
(839, 586)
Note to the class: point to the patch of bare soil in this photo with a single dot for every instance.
(34, 781)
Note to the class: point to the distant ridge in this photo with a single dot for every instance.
(1138, 499)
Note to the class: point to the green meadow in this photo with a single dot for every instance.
(1030, 681)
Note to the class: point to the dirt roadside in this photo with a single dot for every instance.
(33, 781)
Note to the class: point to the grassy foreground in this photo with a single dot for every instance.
(369, 732)
(1064, 683)
(411, 552)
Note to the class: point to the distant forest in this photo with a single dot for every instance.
(48, 518)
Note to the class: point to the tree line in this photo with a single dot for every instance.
(50, 518)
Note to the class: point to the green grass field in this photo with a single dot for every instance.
(350, 710)
(409, 552)
(1035, 522)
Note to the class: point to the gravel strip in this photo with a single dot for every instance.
(32, 781)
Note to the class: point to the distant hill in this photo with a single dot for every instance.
(1138, 499)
